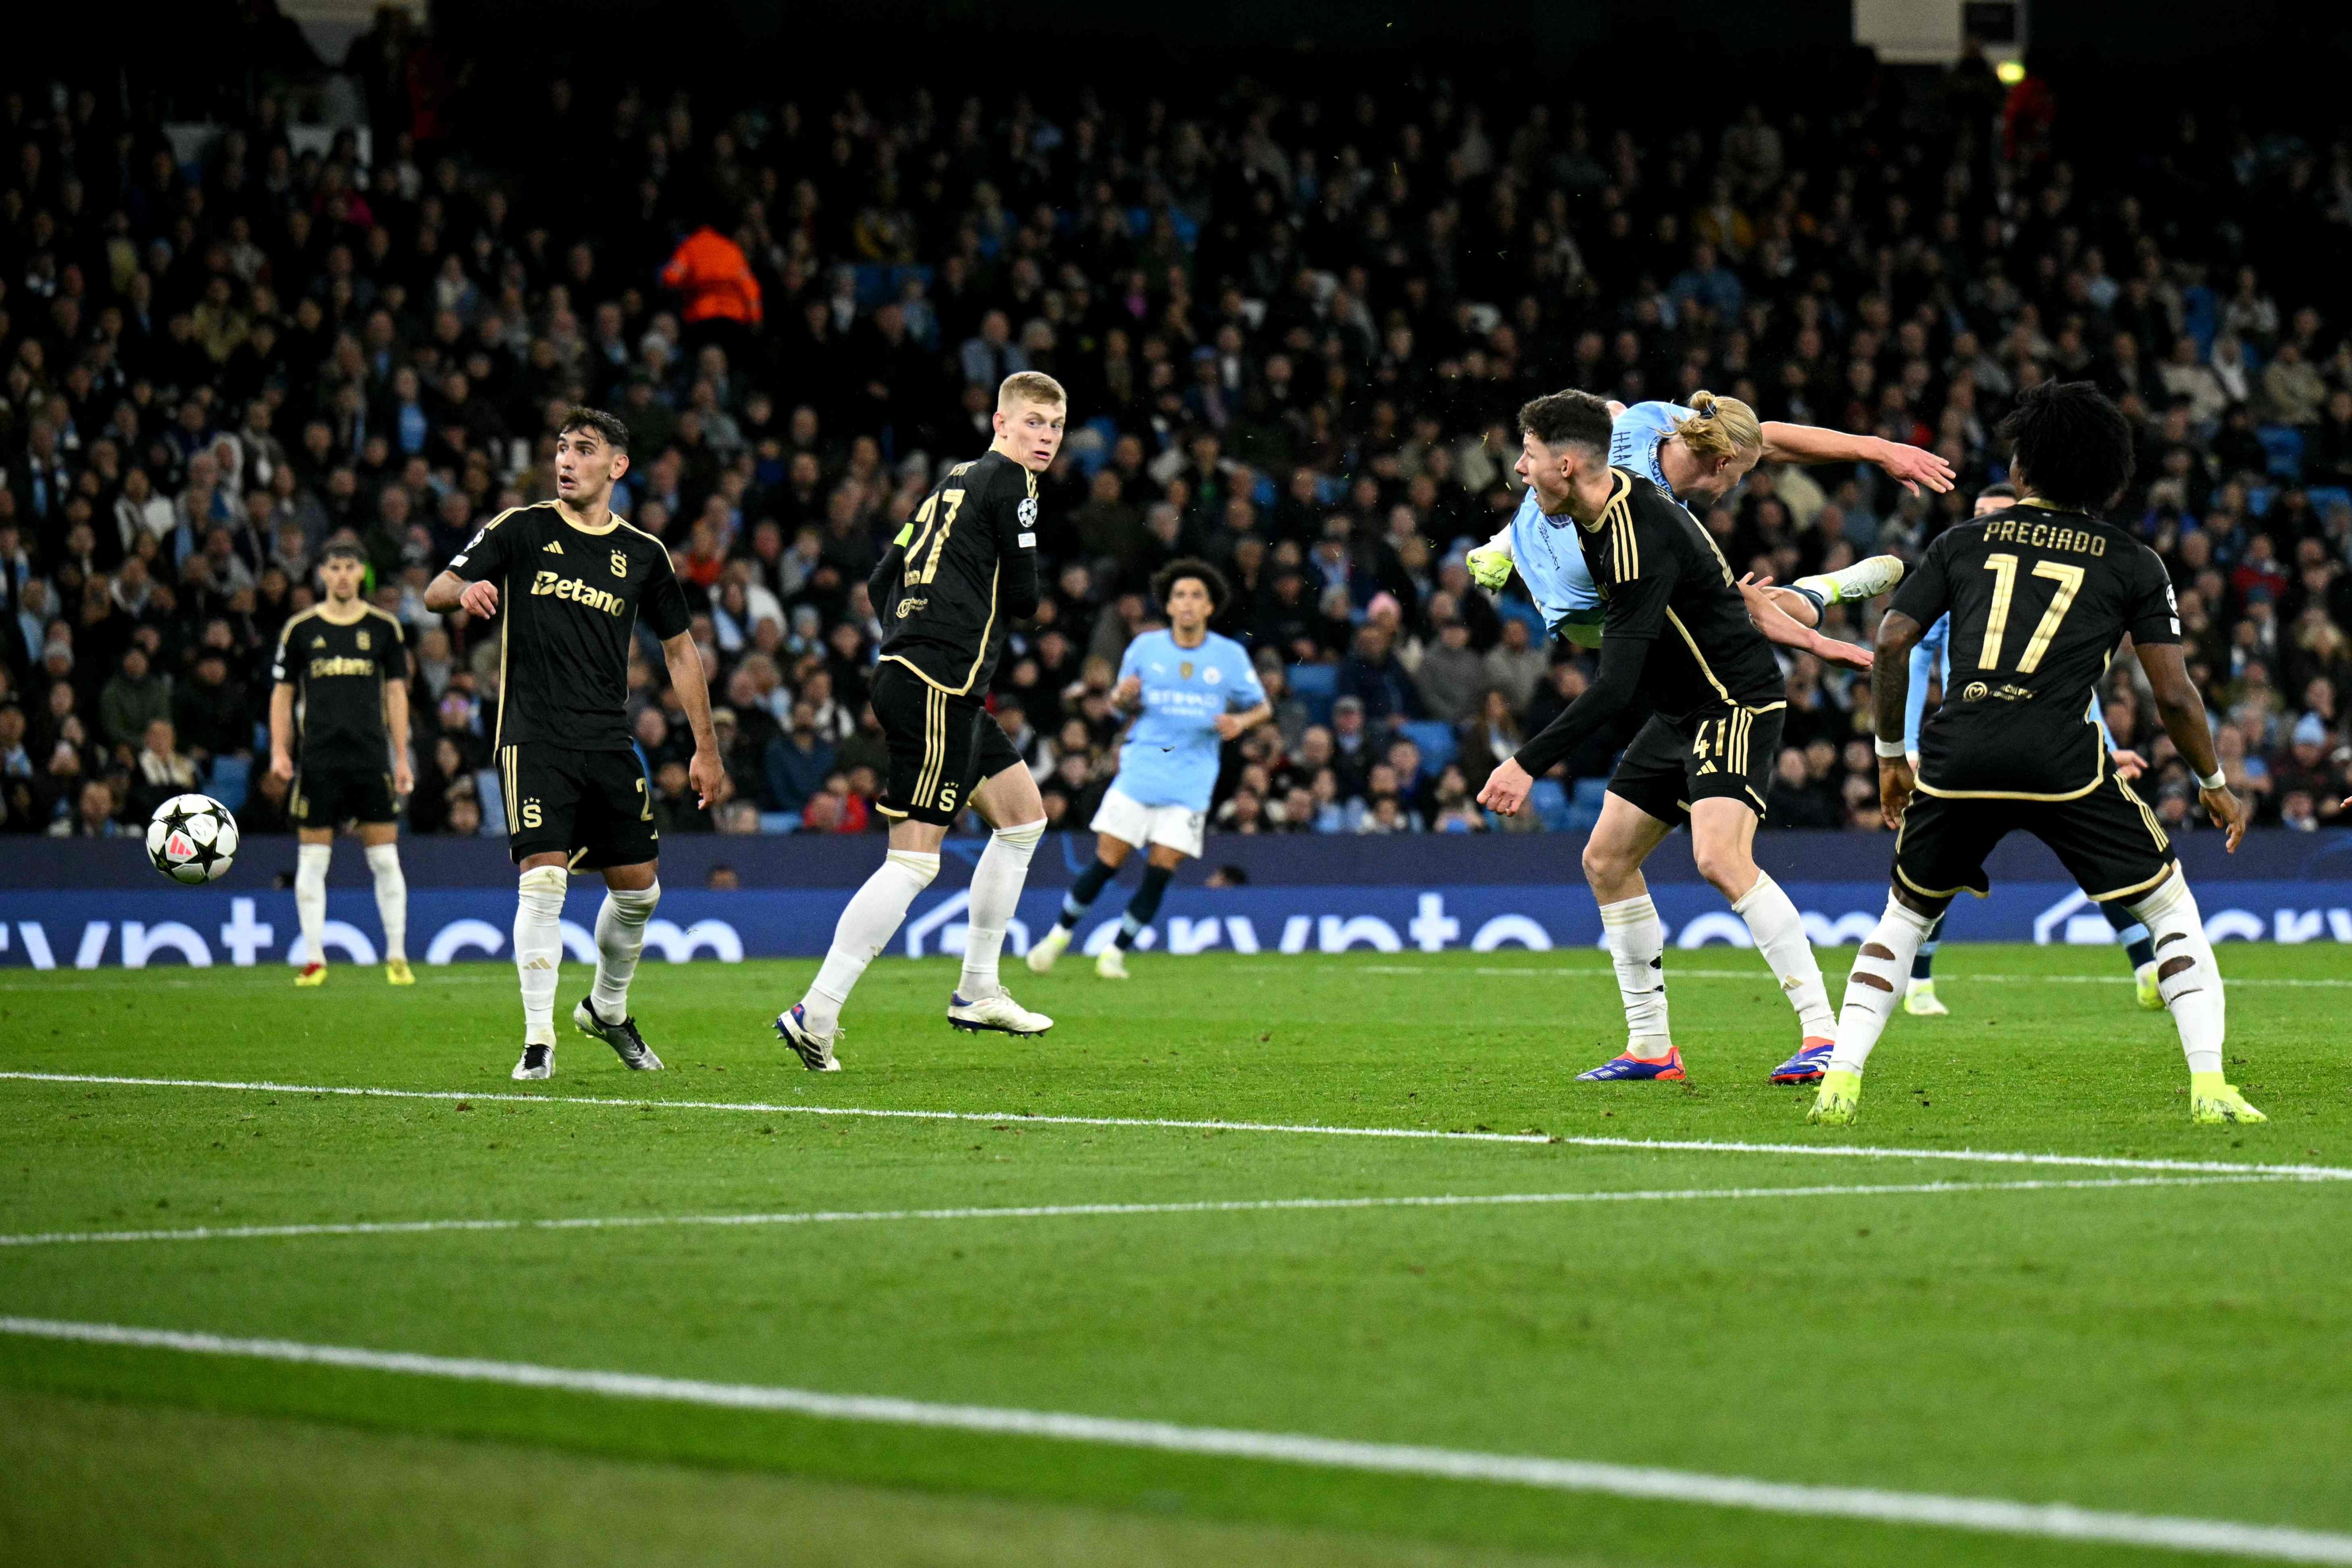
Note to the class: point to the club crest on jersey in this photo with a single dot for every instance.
(364, 642)
(1213, 675)
(620, 565)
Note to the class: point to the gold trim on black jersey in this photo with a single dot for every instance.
(1925, 788)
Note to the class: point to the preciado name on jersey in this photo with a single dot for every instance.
(578, 592)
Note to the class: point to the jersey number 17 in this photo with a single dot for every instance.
(2003, 568)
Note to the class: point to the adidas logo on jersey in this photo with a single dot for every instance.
(553, 547)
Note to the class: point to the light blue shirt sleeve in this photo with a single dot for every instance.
(2106, 736)
(1634, 439)
(1927, 661)
(1248, 690)
(1132, 660)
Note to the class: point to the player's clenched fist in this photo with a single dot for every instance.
(1507, 788)
(481, 599)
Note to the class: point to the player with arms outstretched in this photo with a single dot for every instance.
(340, 677)
(2041, 595)
(1698, 454)
(961, 572)
(1931, 660)
(1678, 632)
(570, 581)
(1196, 690)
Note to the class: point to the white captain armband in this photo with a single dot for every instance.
(2217, 781)
(1891, 749)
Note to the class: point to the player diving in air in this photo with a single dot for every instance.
(1932, 659)
(1698, 454)
(1677, 631)
(1196, 690)
(2040, 595)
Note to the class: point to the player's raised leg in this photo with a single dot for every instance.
(1110, 854)
(1007, 797)
(1620, 842)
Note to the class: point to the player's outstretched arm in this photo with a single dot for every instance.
(2183, 713)
(1890, 686)
(1910, 467)
(450, 592)
(707, 773)
(1613, 688)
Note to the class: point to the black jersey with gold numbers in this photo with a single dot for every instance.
(2038, 600)
(339, 671)
(961, 572)
(1663, 578)
(568, 598)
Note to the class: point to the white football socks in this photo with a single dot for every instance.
(310, 897)
(619, 938)
(995, 892)
(391, 897)
(872, 917)
(1874, 990)
(539, 948)
(1780, 934)
(1637, 947)
(2187, 977)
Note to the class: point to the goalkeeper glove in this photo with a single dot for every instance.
(1489, 568)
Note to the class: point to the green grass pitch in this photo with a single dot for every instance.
(2169, 1349)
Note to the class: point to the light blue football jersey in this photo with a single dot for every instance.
(1635, 438)
(1550, 562)
(1171, 754)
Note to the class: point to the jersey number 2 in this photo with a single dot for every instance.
(930, 568)
(2003, 568)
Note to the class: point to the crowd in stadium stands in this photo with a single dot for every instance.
(1293, 332)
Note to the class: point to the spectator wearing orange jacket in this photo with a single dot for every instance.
(721, 296)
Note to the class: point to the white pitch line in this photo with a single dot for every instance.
(1308, 1129)
(1088, 1211)
(1996, 1516)
(1565, 971)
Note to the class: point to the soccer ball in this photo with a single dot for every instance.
(192, 839)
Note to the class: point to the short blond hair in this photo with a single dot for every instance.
(1031, 386)
(1720, 427)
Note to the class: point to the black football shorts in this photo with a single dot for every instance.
(1725, 750)
(942, 746)
(2108, 839)
(329, 796)
(592, 808)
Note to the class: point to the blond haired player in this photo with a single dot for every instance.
(962, 571)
